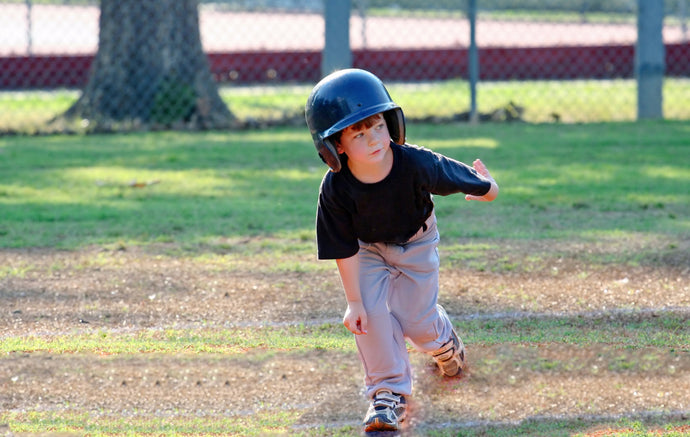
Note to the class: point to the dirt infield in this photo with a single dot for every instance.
(47, 292)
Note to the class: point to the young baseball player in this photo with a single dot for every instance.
(375, 217)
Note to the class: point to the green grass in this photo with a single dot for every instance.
(56, 191)
(279, 423)
(79, 423)
(593, 181)
(666, 331)
(573, 428)
(573, 101)
(188, 341)
(585, 182)
(570, 101)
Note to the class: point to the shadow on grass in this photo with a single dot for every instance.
(569, 181)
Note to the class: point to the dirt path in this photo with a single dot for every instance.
(323, 388)
(50, 291)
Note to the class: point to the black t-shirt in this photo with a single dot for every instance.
(393, 209)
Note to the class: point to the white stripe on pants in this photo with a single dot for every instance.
(399, 285)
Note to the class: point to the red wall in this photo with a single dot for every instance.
(562, 62)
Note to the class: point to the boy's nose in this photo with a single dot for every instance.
(373, 138)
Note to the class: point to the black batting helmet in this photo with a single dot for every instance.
(346, 97)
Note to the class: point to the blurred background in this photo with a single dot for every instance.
(112, 64)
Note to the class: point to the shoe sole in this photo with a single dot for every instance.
(376, 426)
(379, 425)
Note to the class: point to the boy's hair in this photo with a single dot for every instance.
(362, 124)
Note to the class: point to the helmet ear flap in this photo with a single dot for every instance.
(395, 119)
(329, 154)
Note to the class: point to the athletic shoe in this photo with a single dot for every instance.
(450, 357)
(386, 413)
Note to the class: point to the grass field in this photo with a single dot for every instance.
(166, 284)
(583, 101)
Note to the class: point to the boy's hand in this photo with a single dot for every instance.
(356, 318)
(493, 191)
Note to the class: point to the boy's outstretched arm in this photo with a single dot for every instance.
(493, 191)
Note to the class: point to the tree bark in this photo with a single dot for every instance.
(150, 70)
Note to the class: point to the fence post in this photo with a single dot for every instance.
(682, 16)
(336, 53)
(649, 59)
(473, 61)
(29, 29)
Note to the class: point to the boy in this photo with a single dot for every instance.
(375, 217)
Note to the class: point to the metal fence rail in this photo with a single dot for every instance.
(554, 60)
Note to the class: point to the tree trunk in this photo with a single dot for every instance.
(150, 70)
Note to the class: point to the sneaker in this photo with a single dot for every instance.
(386, 413)
(450, 357)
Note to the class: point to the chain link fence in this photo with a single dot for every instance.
(539, 60)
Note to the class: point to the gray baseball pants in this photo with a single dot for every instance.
(399, 285)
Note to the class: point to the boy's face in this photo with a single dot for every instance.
(366, 145)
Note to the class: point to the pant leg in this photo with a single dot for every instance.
(383, 350)
(413, 301)
(399, 285)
